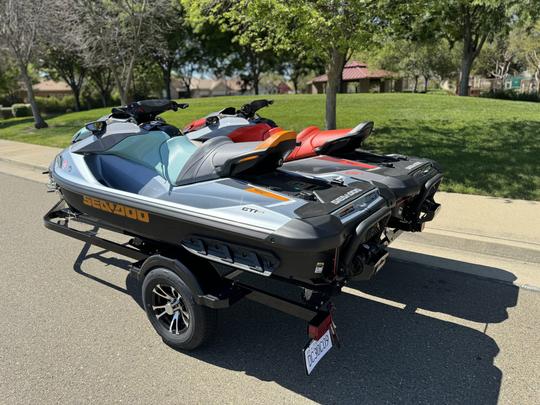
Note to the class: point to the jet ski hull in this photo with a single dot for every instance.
(230, 222)
(308, 258)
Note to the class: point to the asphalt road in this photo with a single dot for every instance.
(73, 331)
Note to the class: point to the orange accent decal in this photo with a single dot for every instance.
(276, 139)
(266, 194)
(246, 159)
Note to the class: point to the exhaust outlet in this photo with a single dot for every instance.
(367, 261)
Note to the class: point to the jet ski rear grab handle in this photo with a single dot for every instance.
(316, 311)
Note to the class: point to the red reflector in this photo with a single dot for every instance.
(319, 325)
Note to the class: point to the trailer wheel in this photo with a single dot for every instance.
(173, 312)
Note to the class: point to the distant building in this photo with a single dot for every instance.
(207, 87)
(358, 78)
(47, 88)
(50, 88)
(522, 82)
(283, 88)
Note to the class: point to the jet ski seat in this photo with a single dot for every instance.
(221, 157)
(314, 141)
(133, 163)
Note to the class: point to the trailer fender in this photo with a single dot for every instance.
(174, 265)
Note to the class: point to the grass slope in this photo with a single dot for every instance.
(486, 146)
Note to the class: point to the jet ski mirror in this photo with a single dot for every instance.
(212, 120)
(97, 127)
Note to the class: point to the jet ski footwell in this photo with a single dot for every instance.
(228, 285)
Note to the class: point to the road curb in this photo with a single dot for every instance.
(19, 163)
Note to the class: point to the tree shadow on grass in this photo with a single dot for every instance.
(390, 353)
(495, 158)
(10, 123)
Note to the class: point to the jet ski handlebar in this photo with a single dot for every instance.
(249, 110)
(147, 110)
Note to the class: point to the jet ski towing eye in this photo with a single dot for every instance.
(173, 311)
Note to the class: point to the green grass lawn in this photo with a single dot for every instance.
(486, 146)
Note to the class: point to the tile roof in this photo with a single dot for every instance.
(51, 86)
(355, 70)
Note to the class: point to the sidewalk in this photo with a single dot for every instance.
(490, 237)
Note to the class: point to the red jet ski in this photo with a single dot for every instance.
(330, 153)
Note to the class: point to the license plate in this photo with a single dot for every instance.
(316, 350)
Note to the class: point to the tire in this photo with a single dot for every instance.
(170, 306)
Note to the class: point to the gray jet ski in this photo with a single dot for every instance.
(224, 202)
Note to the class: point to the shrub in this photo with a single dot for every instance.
(512, 95)
(5, 112)
(21, 110)
(54, 105)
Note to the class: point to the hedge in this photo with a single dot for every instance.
(512, 95)
(21, 110)
(56, 105)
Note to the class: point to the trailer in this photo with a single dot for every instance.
(182, 293)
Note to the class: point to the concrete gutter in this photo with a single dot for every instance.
(496, 238)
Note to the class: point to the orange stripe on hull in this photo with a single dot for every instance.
(266, 194)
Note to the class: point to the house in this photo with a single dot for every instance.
(283, 88)
(50, 88)
(358, 78)
(522, 82)
(200, 87)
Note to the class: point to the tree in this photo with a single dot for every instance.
(118, 33)
(497, 59)
(9, 80)
(418, 59)
(146, 82)
(526, 43)
(21, 24)
(101, 80)
(297, 64)
(170, 40)
(64, 62)
(473, 23)
(250, 64)
(330, 29)
(247, 49)
(180, 49)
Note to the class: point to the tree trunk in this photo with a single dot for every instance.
(255, 72)
(129, 79)
(166, 71)
(121, 90)
(426, 82)
(466, 65)
(256, 83)
(295, 78)
(103, 98)
(334, 72)
(415, 88)
(39, 122)
(77, 95)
